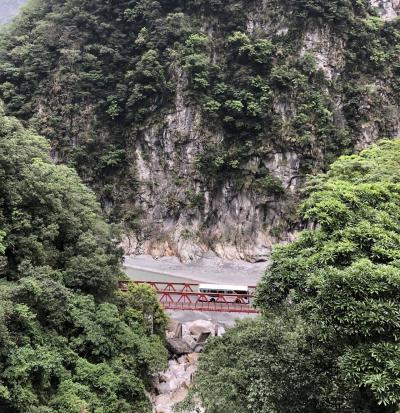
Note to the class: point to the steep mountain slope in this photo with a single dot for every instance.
(196, 121)
(9, 9)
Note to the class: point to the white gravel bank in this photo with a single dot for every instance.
(207, 270)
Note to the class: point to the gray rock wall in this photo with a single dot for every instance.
(234, 223)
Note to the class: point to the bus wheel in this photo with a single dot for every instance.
(212, 300)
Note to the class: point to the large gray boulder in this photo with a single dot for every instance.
(178, 347)
(201, 326)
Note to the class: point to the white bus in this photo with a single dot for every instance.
(238, 294)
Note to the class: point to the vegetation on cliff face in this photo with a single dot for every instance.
(68, 341)
(328, 340)
(97, 78)
(114, 84)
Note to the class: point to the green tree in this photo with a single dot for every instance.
(345, 273)
(68, 340)
(269, 365)
(328, 338)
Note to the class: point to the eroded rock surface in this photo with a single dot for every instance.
(171, 386)
(239, 222)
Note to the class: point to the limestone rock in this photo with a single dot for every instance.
(171, 386)
(388, 9)
(221, 331)
(189, 340)
(201, 326)
(178, 346)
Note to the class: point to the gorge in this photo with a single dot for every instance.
(177, 142)
(196, 122)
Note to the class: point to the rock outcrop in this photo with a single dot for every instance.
(388, 9)
(197, 123)
(171, 386)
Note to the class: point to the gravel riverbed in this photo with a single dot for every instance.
(209, 269)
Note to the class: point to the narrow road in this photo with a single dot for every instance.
(147, 274)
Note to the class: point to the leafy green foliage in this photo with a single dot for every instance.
(356, 206)
(345, 273)
(328, 339)
(68, 341)
(268, 365)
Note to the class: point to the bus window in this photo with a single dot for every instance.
(231, 294)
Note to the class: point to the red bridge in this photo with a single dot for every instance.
(187, 297)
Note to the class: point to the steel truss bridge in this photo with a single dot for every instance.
(186, 297)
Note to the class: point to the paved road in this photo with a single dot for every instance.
(143, 274)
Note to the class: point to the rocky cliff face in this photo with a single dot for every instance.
(198, 125)
(240, 223)
(234, 223)
(388, 9)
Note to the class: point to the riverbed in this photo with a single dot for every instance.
(209, 269)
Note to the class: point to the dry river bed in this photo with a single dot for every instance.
(209, 269)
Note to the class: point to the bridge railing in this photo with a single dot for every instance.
(161, 286)
(187, 297)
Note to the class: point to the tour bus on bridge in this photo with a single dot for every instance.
(238, 294)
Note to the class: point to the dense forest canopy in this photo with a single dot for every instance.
(68, 341)
(328, 340)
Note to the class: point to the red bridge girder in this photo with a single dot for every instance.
(186, 297)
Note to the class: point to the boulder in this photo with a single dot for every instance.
(179, 371)
(189, 375)
(186, 329)
(189, 340)
(201, 326)
(193, 358)
(172, 364)
(178, 346)
(183, 360)
(162, 404)
(170, 386)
